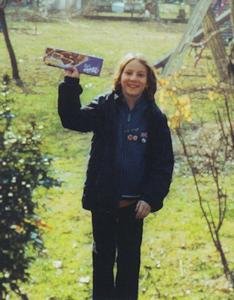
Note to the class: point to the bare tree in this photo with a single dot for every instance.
(15, 70)
(214, 213)
(210, 156)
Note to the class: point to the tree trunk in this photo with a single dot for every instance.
(216, 45)
(15, 71)
(227, 272)
(157, 11)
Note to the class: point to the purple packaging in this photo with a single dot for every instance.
(86, 64)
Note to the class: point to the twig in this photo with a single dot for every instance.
(205, 42)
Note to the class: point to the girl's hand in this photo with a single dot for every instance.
(72, 72)
(142, 209)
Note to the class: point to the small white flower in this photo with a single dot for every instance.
(158, 264)
(84, 279)
(58, 264)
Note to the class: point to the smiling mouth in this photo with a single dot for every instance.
(133, 86)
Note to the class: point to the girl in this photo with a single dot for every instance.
(129, 170)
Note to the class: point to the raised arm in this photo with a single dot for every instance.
(69, 107)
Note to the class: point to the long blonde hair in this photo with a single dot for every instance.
(151, 77)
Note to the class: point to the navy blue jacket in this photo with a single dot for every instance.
(100, 116)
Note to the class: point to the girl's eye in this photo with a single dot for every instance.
(129, 73)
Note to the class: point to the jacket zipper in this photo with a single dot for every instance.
(129, 117)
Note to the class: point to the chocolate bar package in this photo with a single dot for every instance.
(86, 64)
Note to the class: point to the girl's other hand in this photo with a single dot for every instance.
(72, 72)
(142, 209)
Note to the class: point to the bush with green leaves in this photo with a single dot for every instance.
(23, 167)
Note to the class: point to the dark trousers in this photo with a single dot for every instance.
(117, 238)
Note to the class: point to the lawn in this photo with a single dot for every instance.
(178, 257)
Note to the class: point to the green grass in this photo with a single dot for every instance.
(178, 258)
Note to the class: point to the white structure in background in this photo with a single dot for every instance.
(117, 7)
(44, 6)
(66, 4)
(62, 5)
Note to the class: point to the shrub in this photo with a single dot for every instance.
(23, 167)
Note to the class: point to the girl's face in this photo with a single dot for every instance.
(133, 79)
